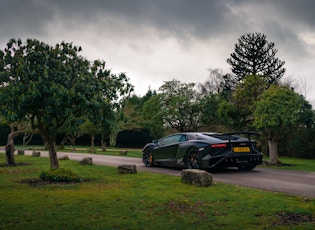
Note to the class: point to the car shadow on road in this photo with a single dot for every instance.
(213, 171)
(231, 171)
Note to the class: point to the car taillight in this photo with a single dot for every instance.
(223, 145)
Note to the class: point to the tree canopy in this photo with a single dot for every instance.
(237, 113)
(49, 84)
(254, 55)
(278, 111)
(180, 105)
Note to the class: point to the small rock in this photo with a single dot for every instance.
(122, 152)
(65, 157)
(127, 169)
(86, 161)
(36, 154)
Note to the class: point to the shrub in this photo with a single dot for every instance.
(60, 175)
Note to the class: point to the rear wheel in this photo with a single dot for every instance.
(193, 158)
(147, 157)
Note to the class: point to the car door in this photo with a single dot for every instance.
(168, 147)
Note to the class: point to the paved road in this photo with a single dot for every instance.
(276, 180)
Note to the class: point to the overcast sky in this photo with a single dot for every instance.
(153, 41)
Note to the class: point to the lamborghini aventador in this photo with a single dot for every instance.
(204, 150)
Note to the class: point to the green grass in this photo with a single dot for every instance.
(108, 200)
(299, 164)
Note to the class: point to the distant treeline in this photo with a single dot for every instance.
(127, 138)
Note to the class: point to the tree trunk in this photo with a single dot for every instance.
(92, 141)
(46, 147)
(9, 153)
(113, 138)
(63, 142)
(54, 164)
(103, 145)
(72, 139)
(9, 148)
(273, 151)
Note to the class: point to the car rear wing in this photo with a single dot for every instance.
(228, 136)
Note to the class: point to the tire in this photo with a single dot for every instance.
(192, 159)
(147, 157)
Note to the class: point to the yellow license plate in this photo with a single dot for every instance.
(241, 149)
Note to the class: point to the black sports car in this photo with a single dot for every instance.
(204, 151)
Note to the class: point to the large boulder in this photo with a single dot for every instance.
(196, 177)
(127, 169)
(86, 161)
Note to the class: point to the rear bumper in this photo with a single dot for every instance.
(231, 160)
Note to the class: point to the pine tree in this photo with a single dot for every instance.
(254, 55)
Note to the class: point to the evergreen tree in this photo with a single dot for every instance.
(254, 55)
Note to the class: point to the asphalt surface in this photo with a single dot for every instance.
(285, 181)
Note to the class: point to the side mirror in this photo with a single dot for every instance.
(155, 142)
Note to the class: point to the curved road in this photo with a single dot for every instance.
(291, 182)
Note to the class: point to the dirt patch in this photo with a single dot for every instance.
(34, 182)
(38, 182)
(184, 208)
(293, 219)
(17, 164)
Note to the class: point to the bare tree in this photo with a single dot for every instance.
(213, 84)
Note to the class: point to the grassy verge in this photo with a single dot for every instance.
(289, 163)
(107, 200)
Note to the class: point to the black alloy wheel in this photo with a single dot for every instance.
(147, 157)
(193, 158)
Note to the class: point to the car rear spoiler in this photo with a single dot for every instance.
(248, 134)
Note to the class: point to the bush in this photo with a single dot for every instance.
(60, 175)
(136, 138)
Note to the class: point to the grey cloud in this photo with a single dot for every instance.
(177, 17)
(22, 17)
(199, 19)
(132, 28)
(301, 10)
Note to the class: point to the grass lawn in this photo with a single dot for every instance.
(108, 200)
(295, 164)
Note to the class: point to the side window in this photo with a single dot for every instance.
(183, 138)
(172, 139)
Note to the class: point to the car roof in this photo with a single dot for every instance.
(199, 136)
(214, 136)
